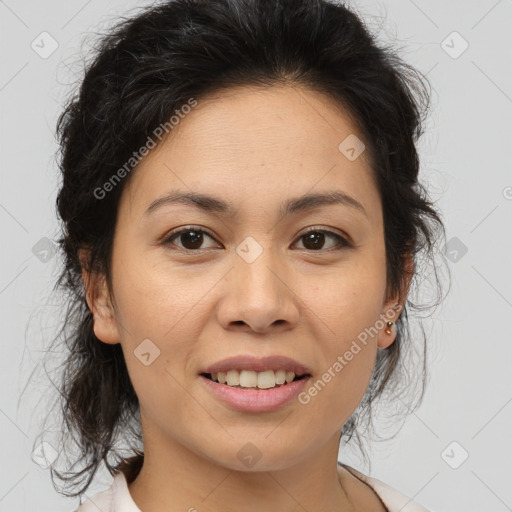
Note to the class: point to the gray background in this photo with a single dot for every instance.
(466, 163)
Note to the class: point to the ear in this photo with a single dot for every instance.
(394, 306)
(99, 302)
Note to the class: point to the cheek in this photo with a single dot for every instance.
(345, 366)
(162, 312)
(349, 297)
(156, 297)
(346, 308)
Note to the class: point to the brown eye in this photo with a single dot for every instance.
(190, 238)
(314, 239)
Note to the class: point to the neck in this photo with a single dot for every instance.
(196, 483)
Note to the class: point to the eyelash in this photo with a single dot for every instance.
(343, 243)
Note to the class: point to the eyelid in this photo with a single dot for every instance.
(347, 241)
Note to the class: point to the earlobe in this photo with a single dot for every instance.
(392, 310)
(98, 299)
(104, 323)
(387, 334)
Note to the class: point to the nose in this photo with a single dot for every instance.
(258, 296)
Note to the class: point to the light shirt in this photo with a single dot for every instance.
(391, 498)
(117, 497)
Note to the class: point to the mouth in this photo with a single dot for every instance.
(251, 381)
(252, 393)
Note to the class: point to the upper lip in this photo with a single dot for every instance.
(258, 364)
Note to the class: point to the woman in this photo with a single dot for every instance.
(242, 223)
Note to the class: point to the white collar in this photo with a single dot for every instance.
(393, 499)
(122, 500)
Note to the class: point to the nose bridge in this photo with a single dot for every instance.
(257, 267)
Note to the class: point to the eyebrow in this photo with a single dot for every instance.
(212, 204)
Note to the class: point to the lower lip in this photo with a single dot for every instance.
(255, 400)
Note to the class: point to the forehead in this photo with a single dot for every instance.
(264, 117)
(249, 142)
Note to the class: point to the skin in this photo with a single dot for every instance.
(254, 147)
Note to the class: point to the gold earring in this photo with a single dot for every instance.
(388, 330)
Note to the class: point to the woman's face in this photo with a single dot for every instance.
(250, 280)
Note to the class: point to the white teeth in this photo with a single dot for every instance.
(249, 379)
(280, 377)
(266, 379)
(233, 378)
